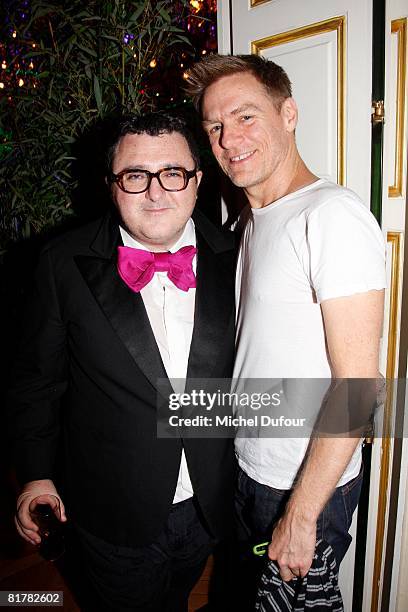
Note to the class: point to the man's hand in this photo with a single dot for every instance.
(43, 492)
(293, 545)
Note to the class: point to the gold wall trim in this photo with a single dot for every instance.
(399, 27)
(336, 24)
(395, 239)
(256, 2)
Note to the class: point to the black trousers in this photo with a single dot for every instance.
(153, 578)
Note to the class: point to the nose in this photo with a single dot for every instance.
(155, 191)
(230, 136)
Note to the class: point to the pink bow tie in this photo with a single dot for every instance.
(137, 267)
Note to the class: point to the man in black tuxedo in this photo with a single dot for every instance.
(105, 322)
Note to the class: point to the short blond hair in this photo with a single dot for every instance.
(213, 67)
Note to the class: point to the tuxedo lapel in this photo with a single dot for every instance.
(214, 303)
(126, 313)
(123, 308)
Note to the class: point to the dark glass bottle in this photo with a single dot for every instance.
(52, 538)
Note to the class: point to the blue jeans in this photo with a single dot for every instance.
(259, 507)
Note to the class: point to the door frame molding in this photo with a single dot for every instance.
(334, 24)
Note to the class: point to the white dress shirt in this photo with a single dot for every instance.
(171, 315)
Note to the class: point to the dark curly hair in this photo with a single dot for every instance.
(152, 124)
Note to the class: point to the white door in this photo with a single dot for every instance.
(315, 42)
(326, 48)
(387, 557)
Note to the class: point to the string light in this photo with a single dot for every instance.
(196, 4)
(199, 23)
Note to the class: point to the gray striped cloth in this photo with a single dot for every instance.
(318, 590)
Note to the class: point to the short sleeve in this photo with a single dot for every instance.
(346, 249)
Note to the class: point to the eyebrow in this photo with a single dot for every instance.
(146, 168)
(236, 111)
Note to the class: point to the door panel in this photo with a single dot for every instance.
(316, 54)
(315, 41)
(385, 581)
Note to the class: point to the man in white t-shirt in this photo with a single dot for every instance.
(309, 289)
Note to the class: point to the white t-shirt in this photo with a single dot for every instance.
(317, 243)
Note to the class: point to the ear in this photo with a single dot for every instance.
(199, 176)
(289, 114)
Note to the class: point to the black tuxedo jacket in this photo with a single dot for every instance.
(87, 374)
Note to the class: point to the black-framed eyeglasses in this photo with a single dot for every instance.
(135, 180)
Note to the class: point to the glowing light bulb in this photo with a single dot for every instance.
(185, 75)
(1, 85)
(153, 63)
(31, 65)
(20, 82)
(4, 65)
(14, 34)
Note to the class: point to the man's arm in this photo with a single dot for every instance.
(38, 382)
(353, 329)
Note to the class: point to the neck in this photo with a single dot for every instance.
(293, 177)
